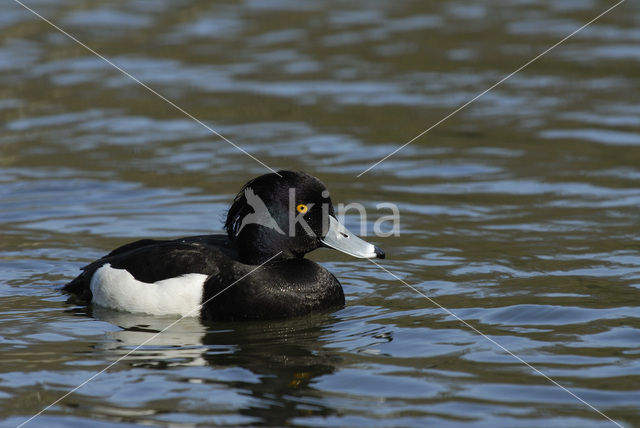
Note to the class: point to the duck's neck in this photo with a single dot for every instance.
(256, 248)
(252, 258)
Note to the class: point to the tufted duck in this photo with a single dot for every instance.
(256, 271)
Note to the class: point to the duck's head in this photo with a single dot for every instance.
(288, 212)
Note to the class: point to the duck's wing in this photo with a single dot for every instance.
(151, 261)
(132, 246)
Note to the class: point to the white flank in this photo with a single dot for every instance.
(118, 289)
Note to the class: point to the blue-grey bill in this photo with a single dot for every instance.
(339, 238)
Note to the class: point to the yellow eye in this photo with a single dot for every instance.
(302, 208)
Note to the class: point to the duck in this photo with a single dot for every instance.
(256, 270)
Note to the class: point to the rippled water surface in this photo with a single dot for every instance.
(519, 214)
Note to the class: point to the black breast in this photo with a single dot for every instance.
(281, 289)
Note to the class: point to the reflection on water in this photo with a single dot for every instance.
(520, 213)
(180, 345)
(271, 365)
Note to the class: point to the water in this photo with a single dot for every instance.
(519, 214)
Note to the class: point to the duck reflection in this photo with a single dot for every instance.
(283, 357)
(180, 345)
